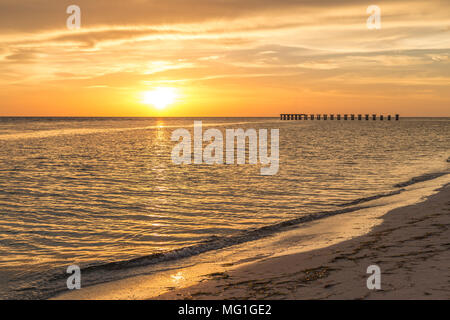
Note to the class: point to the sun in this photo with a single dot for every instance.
(160, 97)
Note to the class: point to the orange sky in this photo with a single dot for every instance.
(225, 58)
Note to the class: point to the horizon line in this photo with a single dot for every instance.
(448, 116)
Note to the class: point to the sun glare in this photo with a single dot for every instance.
(160, 97)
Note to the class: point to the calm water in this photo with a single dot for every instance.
(96, 191)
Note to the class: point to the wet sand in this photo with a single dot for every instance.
(411, 246)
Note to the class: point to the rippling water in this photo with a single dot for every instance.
(93, 191)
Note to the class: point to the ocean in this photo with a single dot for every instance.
(104, 194)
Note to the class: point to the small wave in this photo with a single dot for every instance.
(214, 243)
(366, 199)
(421, 178)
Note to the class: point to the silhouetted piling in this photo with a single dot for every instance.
(303, 116)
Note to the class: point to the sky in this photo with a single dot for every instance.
(224, 58)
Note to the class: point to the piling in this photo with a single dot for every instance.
(303, 116)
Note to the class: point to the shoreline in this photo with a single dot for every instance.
(411, 247)
(294, 249)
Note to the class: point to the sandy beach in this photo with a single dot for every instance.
(411, 247)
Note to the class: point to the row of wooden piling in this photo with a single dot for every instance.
(302, 116)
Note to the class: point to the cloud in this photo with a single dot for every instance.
(32, 16)
(21, 56)
(320, 46)
(25, 15)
